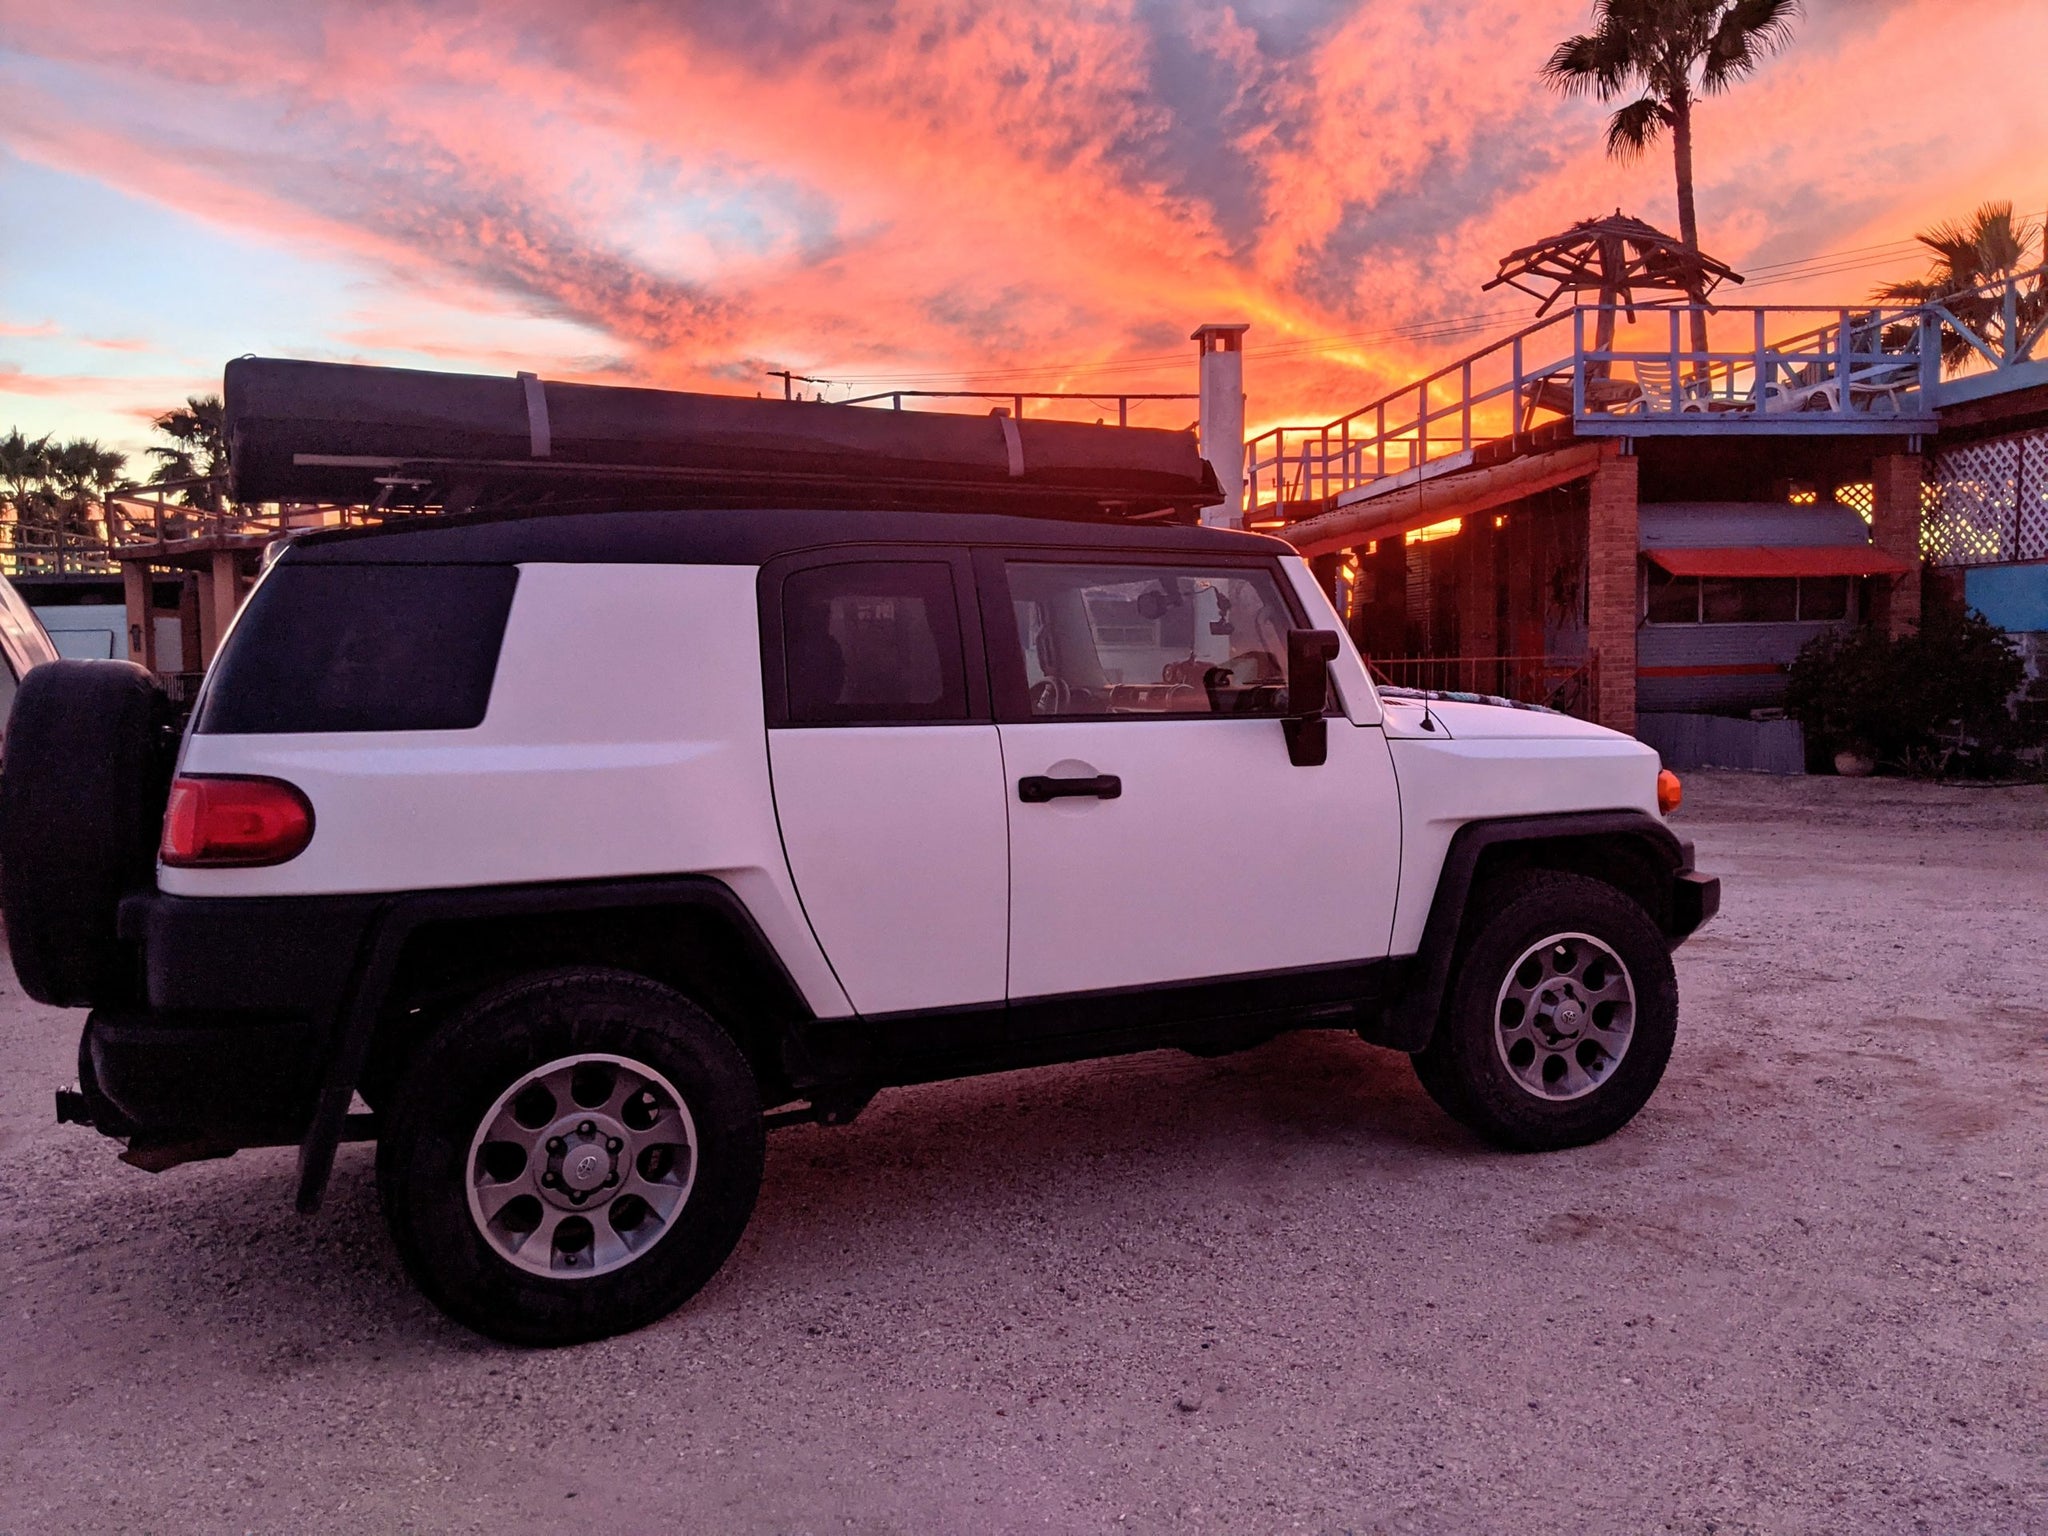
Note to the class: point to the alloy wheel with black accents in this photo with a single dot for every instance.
(1560, 1015)
(572, 1156)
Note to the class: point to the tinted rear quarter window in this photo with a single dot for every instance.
(874, 643)
(332, 648)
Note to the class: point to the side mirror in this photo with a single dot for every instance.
(1309, 654)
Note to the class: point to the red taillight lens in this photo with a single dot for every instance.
(219, 822)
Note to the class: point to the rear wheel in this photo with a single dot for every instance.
(573, 1156)
(1560, 1018)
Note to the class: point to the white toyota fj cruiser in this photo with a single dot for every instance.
(587, 846)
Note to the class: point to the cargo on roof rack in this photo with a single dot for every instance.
(401, 437)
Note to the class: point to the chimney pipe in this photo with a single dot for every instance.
(1221, 426)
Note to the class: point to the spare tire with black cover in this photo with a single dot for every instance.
(82, 790)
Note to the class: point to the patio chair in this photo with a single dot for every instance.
(1661, 393)
(1868, 383)
(1880, 374)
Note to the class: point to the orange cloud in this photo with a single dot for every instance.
(920, 190)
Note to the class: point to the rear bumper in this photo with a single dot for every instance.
(241, 1001)
(254, 1078)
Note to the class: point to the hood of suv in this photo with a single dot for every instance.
(1464, 720)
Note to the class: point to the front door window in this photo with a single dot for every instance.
(1108, 640)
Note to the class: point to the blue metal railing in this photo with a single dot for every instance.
(1613, 371)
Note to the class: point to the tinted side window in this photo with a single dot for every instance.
(873, 643)
(362, 648)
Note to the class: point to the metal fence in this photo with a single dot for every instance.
(1607, 370)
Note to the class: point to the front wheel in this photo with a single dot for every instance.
(572, 1156)
(1560, 1016)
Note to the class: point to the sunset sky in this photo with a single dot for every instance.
(906, 192)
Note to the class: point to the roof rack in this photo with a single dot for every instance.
(399, 439)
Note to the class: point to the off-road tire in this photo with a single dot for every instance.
(82, 791)
(456, 1076)
(1463, 1068)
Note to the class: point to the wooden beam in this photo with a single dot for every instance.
(1448, 496)
(219, 595)
(139, 595)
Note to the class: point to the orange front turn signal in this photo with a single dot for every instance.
(1669, 791)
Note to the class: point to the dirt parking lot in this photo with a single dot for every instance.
(1805, 1291)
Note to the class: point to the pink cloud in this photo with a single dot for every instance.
(912, 187)
(16, 380)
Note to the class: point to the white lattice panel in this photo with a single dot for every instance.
(2032, 540)
(1990, 502)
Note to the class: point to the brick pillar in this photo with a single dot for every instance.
(1895, 528)
(1325, 568)
(1611, 588)
(1476, 601)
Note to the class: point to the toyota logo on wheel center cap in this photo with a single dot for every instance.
(584, 1169)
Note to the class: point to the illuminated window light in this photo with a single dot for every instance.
(1444, 530)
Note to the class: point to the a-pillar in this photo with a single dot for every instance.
(1895, 529)
(1326, 569)
(1611, 545)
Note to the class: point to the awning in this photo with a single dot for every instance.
(1782, 560)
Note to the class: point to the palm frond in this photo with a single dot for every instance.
(1999, 241)
(1636, 127)
(1591, 63)
(1748, 32)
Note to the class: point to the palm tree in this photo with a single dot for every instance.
(1667, 54)
(1993, 247)
(25, 473)
(85, 473)
(198, 448)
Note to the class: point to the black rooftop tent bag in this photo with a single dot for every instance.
(355, 435)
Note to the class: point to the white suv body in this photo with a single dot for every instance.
(872, 797)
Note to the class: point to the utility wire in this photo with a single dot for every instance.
(1830, 263)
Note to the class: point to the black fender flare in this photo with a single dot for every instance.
(1410, 1017)
(397, 919)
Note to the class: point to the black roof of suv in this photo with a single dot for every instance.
(733, 536)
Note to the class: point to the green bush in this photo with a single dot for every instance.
(1932, 703)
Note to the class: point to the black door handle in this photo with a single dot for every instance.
(1039, 788)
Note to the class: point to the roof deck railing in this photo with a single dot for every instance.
(1609, 370)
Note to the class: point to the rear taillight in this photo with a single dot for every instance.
(211, 823)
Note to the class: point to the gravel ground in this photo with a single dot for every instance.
(1274, 1292)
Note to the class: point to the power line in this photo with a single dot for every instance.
(1829, 263)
